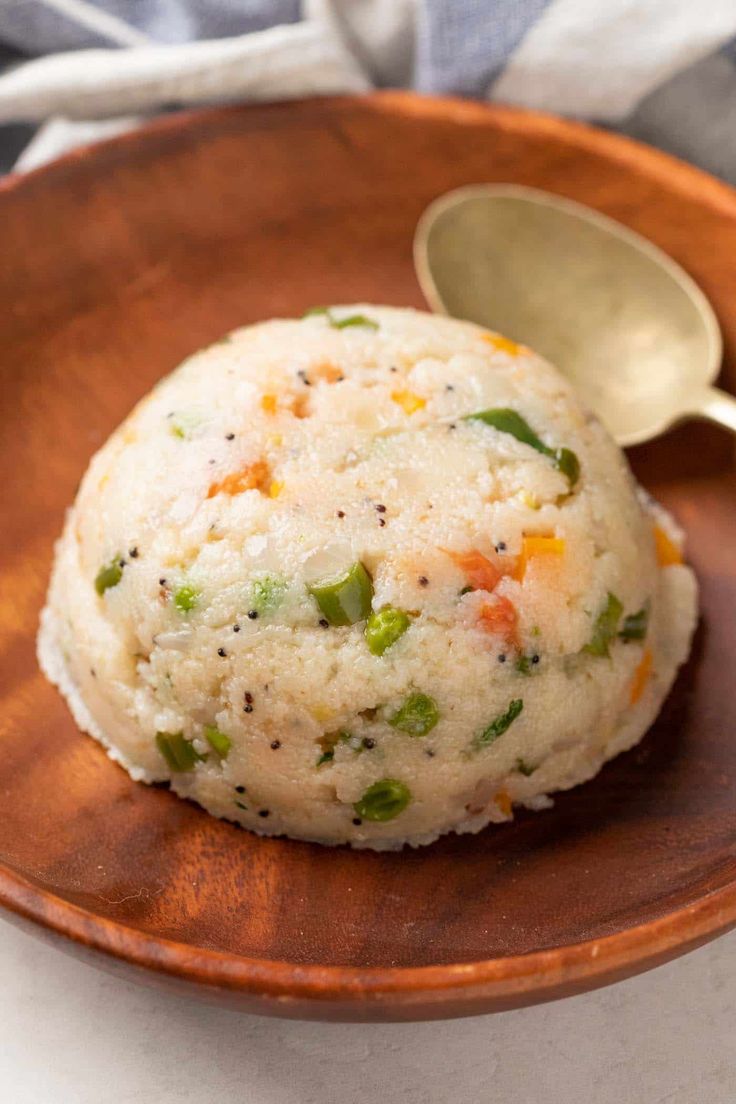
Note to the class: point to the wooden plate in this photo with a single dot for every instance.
(119, 261)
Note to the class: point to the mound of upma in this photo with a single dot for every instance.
(365, 577)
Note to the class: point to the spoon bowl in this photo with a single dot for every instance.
(620, 318)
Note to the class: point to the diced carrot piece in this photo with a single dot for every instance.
(480, 572)
(300, 406)
(499, 617)
(253, 476)
(641, 677)
(503, 344)
(503, 801)
(269, 404)
(326, 371)
(537, 546)
(408, 401)
(667, 551)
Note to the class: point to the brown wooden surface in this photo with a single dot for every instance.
(114, 265)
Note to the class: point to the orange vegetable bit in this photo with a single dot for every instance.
(269, 404)
(499, 617)
(408, 401)
(480, 572)
(503, 344)
(641, 676)
(503, 801)
(253, 477)
(326, 371)
(537, 546)
(300, 406)
(667, 551)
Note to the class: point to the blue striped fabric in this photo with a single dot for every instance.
(662, 70)
(35, 27)
(462, 47)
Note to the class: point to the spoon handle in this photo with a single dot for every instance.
(717, 406)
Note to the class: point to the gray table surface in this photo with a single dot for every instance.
(74, 1035)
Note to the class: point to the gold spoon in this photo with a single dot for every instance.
(620, 318)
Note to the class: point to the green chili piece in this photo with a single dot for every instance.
(186, 598)
(384, 628)
(524, 768)
(604, 628)
(500, 725)
(341, 323)
(566, 461)
(109, 576)
(353, 320)
(266, 593)
(181, 424)
(180, 754)
(417, 716)
(330, 741)
(218, 741)
(636, 624)
(345, 599)
(383, 800)
(510, 421)
(527, 664)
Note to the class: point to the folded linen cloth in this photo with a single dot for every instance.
(661, 70)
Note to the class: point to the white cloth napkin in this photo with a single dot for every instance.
(660, 70)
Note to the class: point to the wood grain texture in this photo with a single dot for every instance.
(118, 262)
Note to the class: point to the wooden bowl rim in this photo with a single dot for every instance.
(609, 144)
(545, 973)
(585, 964)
